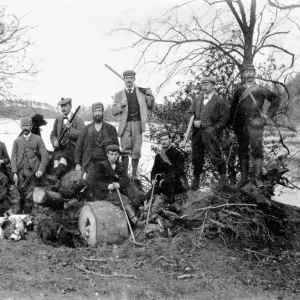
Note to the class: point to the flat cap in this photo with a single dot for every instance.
(248, 67)
(208, 79)
(162, 133)
(64, 101)
(113, 148)
(129, 73)
(97, 105)
(26, 121)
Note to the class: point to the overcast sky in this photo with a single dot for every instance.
(72, 44)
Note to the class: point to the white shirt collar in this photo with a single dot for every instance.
(68, 115)
(132, 89)
(26, 137)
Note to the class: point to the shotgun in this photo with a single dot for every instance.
(65, 130)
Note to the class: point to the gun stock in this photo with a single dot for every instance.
(188, 131)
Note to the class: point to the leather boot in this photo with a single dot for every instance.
(196, 183)
(257, 164)
(125, 161)
(244, 168)
(135, 164)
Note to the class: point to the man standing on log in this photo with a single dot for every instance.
(131, 104)
(167, 175)
(28, 163)
(248, 121)
(110, 175)
(65, 151)
(210, 118)
(92, 143)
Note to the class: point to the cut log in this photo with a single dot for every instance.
(102, 222)
(48, 198)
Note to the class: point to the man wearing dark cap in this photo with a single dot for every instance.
(64, 152)
(248, 121)
(110, 175)
(92, 143)
(29, 159)
(210, 118)
(132, 104)
(168, 175)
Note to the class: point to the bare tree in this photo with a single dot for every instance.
(15, 64)
(180, 40)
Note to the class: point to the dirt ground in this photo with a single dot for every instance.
(177, 268)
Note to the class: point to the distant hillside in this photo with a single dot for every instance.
(15, 111)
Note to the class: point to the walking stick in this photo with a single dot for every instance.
(151, 199)
(128, 222)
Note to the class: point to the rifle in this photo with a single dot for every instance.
(188, 131)
(65, 130)
(142, 90)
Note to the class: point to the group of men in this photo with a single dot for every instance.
(94, 148)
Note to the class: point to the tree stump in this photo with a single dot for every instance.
(102, 222)
(46, 197)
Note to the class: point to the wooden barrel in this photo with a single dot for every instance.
(102, 222)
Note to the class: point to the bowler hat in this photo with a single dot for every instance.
(64, 101)
(112, 148)
(129, 73)
(208, 79)
(97, 105)
(248, 67)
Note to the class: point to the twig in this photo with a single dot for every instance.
(223, 205)
(105, 275)
(186, 276)
(160, 257)
(101, 259)
(259, 253)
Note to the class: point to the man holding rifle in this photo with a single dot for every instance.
(210, 117)
(65, 133)
(132, 104)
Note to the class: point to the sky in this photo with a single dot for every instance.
(72, 43)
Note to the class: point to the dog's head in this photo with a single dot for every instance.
(38, 120)
(65, 237)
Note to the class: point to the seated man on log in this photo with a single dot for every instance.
(29, 159)
(92, 143)
(64, 152)
(109, 176)
(167, 175)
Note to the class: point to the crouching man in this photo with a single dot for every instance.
(110, 175)
(29, 159)
(167, 173)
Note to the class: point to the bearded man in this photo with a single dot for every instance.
(92, 143)
(248, 121)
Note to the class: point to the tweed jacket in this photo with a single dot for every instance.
(215, 113)
(241, 111)
(75, 129)
(35, 144)
(105, 175)
(84, 146)
(3, 154)
(123, 111)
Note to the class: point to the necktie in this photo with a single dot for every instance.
(129, 91)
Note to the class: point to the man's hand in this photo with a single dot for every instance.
(78, 167)
(1, 161)
(197, 123)
(56, 144)
(84, 176)
(38, 174)
(116, 185)
(16, 179)
(68, 125)
(111, 186)
(123, 102)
